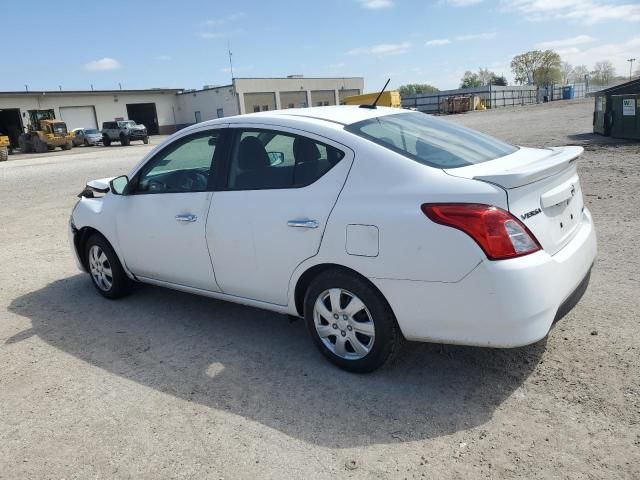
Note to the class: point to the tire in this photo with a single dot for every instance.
(39, 146)
(24, 144)
(100, 260)
(86, 143)
(106, 141)
(145, 140)
(66, 146)
(124, 140)
(372, 328)
(4, 154)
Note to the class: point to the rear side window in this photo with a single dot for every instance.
(266, 159)
(431, 141)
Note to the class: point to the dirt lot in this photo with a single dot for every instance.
(164, 384)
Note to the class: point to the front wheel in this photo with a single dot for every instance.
(124, 140)
(105, 268)
(145, 140)
(350, 322)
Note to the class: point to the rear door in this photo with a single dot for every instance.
(282, 185)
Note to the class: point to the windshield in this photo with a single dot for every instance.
(127, 123)
(90, 131)
(431, 141)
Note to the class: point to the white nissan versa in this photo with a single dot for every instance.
(374, 224)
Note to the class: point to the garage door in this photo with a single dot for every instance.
(76, 117)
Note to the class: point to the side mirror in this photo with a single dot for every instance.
(276, 158)
(119, 184)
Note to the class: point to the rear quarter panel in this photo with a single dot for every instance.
(386, 190)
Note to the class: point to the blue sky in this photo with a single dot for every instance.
(161, 43)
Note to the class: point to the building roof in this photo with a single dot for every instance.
(91, 92)
(632, 86)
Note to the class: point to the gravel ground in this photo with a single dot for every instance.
(168, 385)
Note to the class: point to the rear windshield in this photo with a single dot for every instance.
(431, 141)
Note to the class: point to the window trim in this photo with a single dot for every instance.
(218, 152)
(233, 134)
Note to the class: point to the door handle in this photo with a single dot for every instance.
(303, 223)
(188, 218)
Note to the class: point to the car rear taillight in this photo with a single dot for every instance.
(496, 231)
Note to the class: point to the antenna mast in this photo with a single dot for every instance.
(230, 60)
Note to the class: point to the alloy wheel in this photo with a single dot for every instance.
(344, 324)
(100, 268)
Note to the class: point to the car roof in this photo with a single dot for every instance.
(342, 114)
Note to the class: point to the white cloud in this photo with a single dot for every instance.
(375, 4)
(463, 3)
(476, 36)
(437, 42)
(583, 11)
(210, 35)
(566, 42)
(103, 64)
(222, 20)
(616, 53)
(382, 49)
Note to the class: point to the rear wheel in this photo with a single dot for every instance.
(106, 141)
(350, 322)
(24, 144)
(39, 146)
(105, 268)
(66, 146)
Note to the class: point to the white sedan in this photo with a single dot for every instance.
(373, 224)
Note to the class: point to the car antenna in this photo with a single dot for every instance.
(373, 105)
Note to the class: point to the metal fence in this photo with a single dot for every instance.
(496, 96)
(490, 96)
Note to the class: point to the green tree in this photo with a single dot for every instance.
(541, 67)
(499, 80)
(416, 88)
(470, 80)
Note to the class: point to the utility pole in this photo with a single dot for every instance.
(26, 87)
(630, 60)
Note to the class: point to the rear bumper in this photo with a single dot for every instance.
(505, 303)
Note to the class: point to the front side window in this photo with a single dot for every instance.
(264, 159)
(184, 166)
(431, 141)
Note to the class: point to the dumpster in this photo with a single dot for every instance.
(567, 92)
(625, 118)
(603, 111)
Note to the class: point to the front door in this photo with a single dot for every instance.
(271, 217)
(161, 223)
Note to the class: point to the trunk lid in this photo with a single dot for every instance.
(543, 190)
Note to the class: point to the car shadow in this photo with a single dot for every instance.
(260, 366)
(587, 139)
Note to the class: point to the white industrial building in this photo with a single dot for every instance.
(164, 111)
